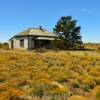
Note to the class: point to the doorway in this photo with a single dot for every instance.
(12, 44)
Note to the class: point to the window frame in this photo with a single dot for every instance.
(22, 43)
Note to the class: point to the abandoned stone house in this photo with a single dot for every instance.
(32, 38)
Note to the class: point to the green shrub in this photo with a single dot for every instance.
(86, 88)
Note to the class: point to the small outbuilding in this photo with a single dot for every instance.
(32, 38)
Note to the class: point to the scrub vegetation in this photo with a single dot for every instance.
(50, 75)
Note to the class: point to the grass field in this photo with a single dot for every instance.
(27, 74)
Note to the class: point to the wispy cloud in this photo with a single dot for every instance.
(86, 11)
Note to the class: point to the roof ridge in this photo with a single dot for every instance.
(45, 30)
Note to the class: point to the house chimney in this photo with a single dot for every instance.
(40, 27)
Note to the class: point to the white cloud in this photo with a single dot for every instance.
(86, 11)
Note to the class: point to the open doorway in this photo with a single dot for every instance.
(12, 44)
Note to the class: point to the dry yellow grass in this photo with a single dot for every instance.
(27, 73)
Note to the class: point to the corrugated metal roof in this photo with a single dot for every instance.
(36, 32)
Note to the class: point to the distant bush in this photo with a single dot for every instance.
(58, 45)
(4, 46)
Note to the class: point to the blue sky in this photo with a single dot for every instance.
(18, 15)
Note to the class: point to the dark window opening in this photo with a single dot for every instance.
(12, 44)
(22, 43)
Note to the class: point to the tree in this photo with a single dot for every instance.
(67, 31)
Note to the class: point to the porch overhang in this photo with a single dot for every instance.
(45, 38)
